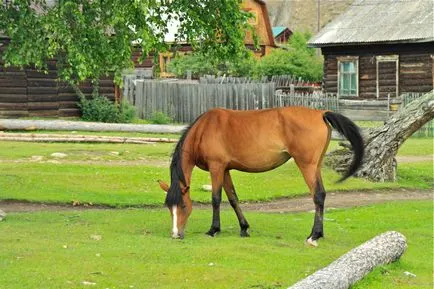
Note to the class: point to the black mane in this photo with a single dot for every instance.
(174, 194)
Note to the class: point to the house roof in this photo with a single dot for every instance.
(277, 30)
(379, 21)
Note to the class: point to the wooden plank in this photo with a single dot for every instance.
(13, 106)
(43, 105)
(13, 90)
(43, 113)
(13, 113)
(13, 98)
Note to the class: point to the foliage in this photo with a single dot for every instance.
(90, 39)
(101, 109)
(297, 60)
(132, 248)
(200, 64)
(197, 63)
(159, 117)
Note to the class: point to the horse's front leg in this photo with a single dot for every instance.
(217, 175)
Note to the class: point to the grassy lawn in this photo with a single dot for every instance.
(132, 249)
(86, 151)
(131, 185)
(91, 173)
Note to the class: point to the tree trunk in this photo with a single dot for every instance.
(354, 265)
(382, 143)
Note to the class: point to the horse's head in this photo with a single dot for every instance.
(179, 212)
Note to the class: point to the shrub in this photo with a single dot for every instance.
(297, 60)
(159, 117)
(101, 109)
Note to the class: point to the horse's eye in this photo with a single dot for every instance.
(183, 207)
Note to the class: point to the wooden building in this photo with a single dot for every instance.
(29, 93)
(379, 48)
(261, 23)
(281, 34)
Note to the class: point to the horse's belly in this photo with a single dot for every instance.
(260, 163)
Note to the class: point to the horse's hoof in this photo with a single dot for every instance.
(212, 232)
(311, 242)
(244, 234)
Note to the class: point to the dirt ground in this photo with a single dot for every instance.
(284, 205)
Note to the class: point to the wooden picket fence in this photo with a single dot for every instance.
(184, 101)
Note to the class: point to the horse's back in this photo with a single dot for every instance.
(256, 140)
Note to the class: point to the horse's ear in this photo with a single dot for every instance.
(185, 189)
(163, 185)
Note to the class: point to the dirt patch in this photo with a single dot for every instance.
(340, 200)
(300, 204)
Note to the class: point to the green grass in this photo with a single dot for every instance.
(129, 178)
(417, 147)
(56, 249)
(86, 151)
(121, 185)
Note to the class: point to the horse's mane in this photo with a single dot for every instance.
(174, 194)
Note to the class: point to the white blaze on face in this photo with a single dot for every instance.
(174, 222)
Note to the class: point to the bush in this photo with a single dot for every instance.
(159, 117)
(296, 60)
(101, 109)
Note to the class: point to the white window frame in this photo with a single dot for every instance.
(340, 60)
(387, 58)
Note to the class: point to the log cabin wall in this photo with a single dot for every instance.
(30, 93)
(415, 65)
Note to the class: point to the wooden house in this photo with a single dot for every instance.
(281, 34)
(379, 48)
(261, 23)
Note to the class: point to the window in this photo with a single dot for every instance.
(164, 62)
(348, 76)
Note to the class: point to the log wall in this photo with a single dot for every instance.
(30, 93)
(415, 64)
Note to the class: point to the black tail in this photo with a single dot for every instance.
(174, 194)
(352, 133)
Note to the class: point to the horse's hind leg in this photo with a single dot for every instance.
(233, 200)
(312, 176)
(217, 176)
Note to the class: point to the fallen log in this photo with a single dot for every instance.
(25, 124)
(358, 262)
(31, 137)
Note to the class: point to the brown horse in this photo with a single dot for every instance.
(222, 140)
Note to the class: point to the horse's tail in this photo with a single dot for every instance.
(174, 194)
(352, 133)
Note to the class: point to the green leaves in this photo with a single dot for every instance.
(90, 39)
(296, 59)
